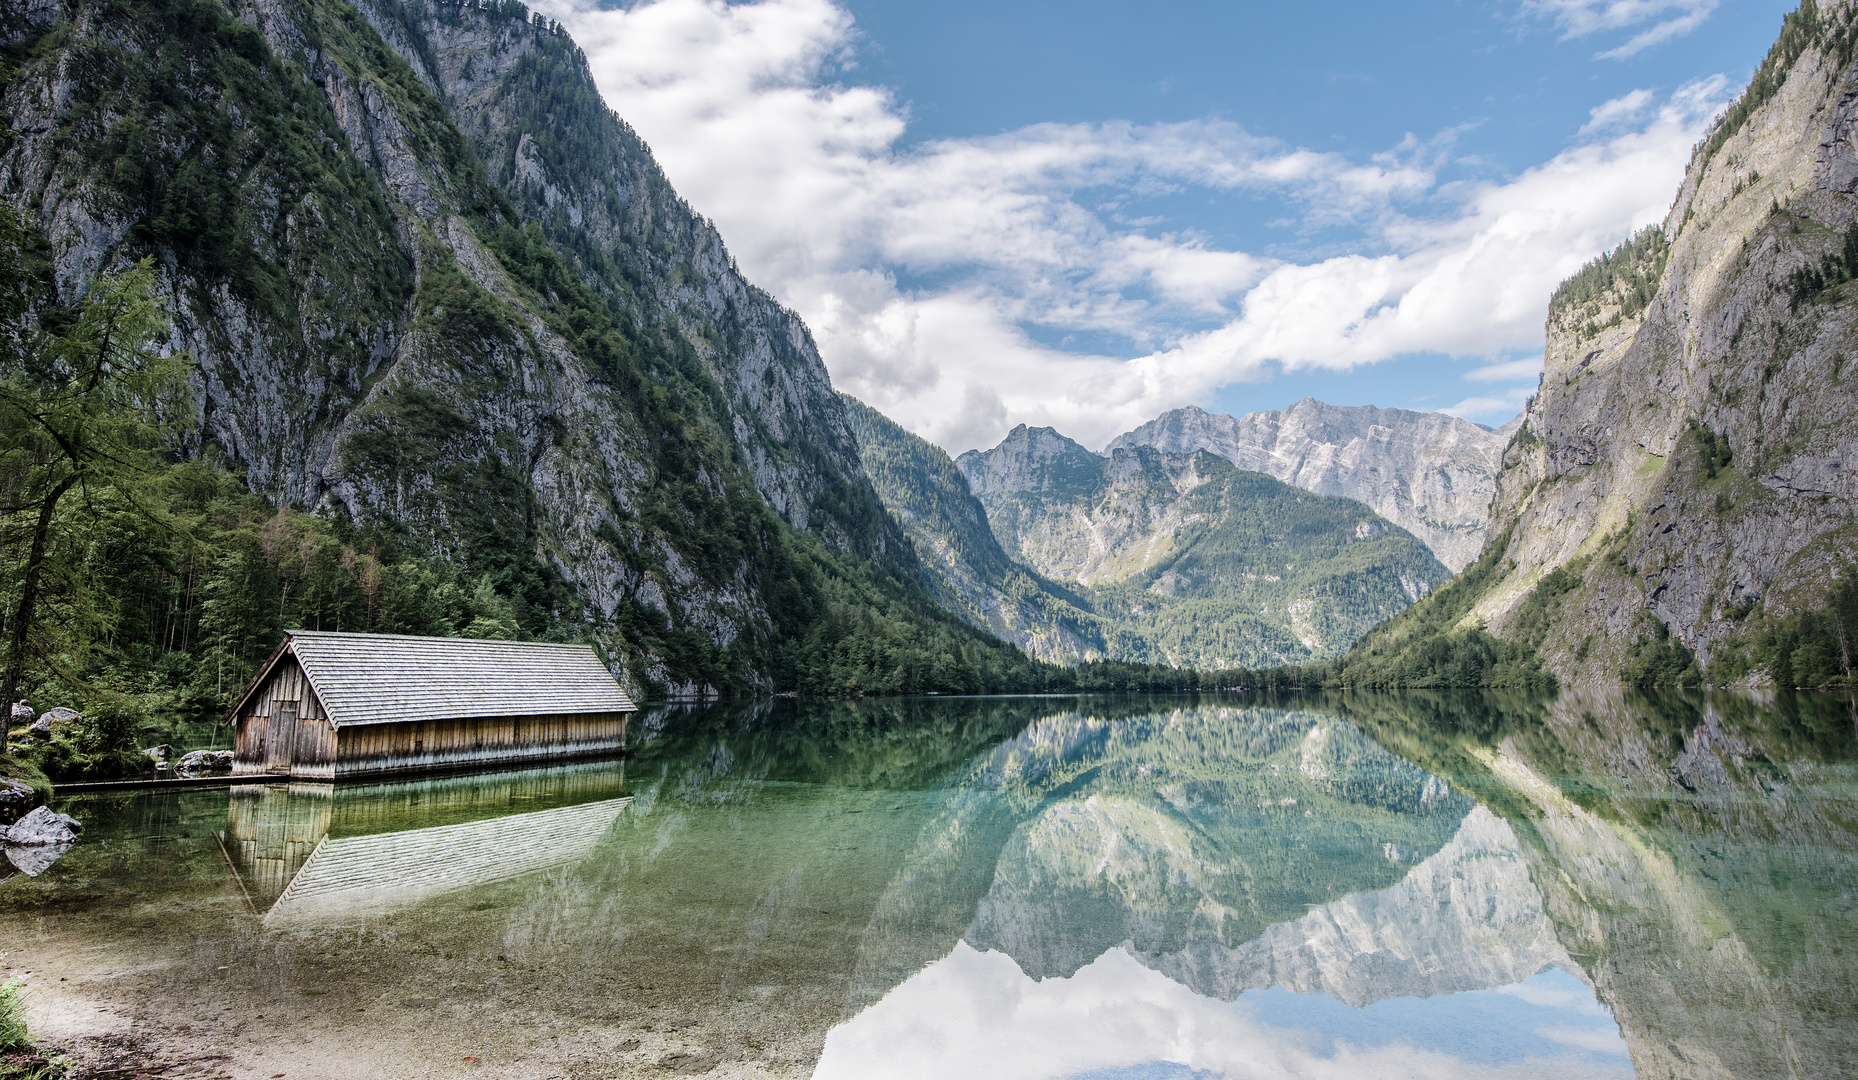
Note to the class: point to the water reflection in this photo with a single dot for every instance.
(1147, 872)
(1352, 885)
(318, 853)
(1698, 856)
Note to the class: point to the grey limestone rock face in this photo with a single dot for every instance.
(604, 186)
(965, 569)
(1430, 473)
(1687, 460)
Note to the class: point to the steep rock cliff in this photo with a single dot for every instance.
(1680, 478)
(1431, 474)
(434, 286)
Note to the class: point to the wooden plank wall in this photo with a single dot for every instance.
(310, 749)
(437, 744)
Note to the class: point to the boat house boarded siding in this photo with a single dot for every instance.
(328, 705)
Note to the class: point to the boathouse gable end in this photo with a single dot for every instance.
(280, 724)
(334, 704)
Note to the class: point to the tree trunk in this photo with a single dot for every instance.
(29, 598)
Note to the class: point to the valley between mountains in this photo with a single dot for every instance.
(462, 361)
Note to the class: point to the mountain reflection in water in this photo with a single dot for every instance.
(1324, 885)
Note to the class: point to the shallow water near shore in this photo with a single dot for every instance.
(1413, 884)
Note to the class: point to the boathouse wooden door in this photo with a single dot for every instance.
(283, 735)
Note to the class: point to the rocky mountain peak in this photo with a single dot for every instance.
(1029, 459)
(1430, 473)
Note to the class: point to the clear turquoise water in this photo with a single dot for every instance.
(1391, 885)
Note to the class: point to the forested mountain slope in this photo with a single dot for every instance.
(438, 292)
(1192, 560)
(1679, 501)
(1429, 473)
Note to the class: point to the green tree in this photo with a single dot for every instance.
(240, 617)
(84, 409)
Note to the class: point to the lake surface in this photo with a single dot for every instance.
(1469, 885)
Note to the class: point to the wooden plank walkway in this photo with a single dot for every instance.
(434, 771)
(221, 780)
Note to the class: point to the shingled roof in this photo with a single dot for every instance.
(393, 678)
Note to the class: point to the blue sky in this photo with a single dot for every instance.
(1083, 214)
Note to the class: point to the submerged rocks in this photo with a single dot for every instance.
(38, 839)
(33, 860)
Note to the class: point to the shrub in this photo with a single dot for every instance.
(13, 1035)
(111, 723)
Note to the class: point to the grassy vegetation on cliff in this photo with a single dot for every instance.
(1628, 276)
(1424, 646)
(1805, 648)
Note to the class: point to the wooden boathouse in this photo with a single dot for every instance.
(329, 705)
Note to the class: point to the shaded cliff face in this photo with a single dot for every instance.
(1194, 561)
(1688, 458)
(1431, 474)
(432, 282)
(964, 567)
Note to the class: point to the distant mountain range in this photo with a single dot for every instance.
(1432, 474)
(1179, 559)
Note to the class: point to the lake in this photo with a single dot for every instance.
(1605, 884)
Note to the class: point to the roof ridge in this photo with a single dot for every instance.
(357, 634)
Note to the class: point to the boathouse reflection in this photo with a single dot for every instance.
(309, 852)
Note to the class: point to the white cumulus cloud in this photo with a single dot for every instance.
(1669, 19)
(966, 285)
(1529, 368)
(1583, 17)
